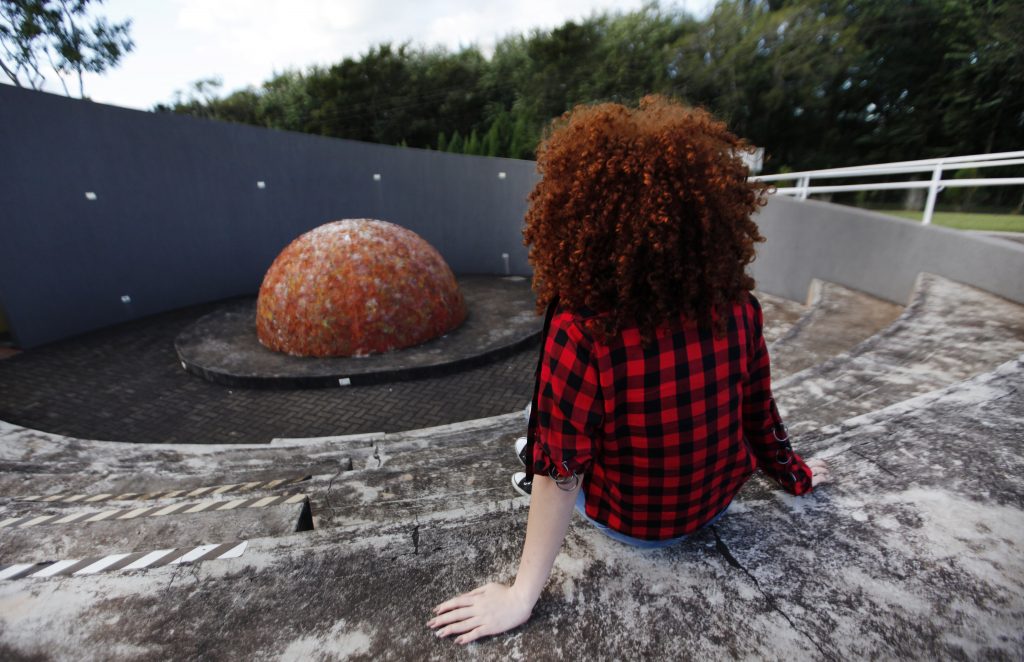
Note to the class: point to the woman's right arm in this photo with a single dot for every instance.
(495, 608)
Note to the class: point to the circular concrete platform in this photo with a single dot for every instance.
(222, 347)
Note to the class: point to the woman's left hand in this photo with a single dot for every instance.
(819, 471)
(490, 609)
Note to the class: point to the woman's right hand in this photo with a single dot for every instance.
(488, 610)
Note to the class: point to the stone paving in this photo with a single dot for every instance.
(125, 383)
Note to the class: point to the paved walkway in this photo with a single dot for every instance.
(125, 384)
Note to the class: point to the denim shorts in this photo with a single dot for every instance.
(581, 508)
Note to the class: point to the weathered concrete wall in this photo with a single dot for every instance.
(179, 219)
(874, 253)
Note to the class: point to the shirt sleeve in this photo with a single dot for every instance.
(570, 410)
(762, 424)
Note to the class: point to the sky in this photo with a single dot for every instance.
(244, 42)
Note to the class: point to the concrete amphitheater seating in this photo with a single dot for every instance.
(912, 552)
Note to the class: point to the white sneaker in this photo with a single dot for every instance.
(522, 484)
(521, 450)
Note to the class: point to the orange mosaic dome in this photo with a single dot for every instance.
(356, 287)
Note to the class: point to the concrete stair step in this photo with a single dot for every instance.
(779, 314)
(880, 564)
(420, 475)
(34, 463)
(417, 480)
(402, 476)
(948, 333)
(83, 539)
(837, 320)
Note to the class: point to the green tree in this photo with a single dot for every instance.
(496, 140)
(775, 76)
(362, 99)
(983, 109)
(455, 144)
(635, 54)
(818, 83)
(284, 102)
(37, 33)
(472, 145)
(934, 78)
(199, 100)
(525, 134)
(448, 94)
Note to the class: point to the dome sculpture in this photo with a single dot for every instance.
(355, 287)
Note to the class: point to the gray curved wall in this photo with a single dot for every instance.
(178, 218)
(874, 253)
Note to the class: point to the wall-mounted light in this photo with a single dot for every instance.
(126, 298)
(376, 176)
(90, 196)
(261, 184)
(501, 175)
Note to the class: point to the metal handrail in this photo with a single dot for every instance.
(935, 185)
(875, 171)
(888, 186)
(927, 164)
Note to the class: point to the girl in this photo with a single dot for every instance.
(653, 402)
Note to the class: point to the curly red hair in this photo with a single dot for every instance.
(642, 214)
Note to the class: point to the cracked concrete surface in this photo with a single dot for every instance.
(916, 560)
(913, 552)
(949, 332)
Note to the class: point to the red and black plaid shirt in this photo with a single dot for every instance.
(663, 436)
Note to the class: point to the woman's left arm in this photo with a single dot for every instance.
(495, 608)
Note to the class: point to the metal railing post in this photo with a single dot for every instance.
(804, 182)
(933, 193)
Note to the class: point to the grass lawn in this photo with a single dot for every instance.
(964, 221)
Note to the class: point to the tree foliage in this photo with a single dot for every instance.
(57, 35)
(818, 83)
